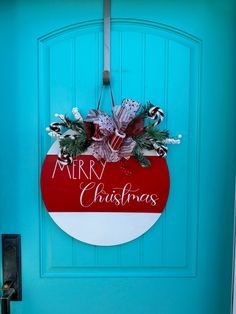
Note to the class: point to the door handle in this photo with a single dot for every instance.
(7, 293)
(11, 271)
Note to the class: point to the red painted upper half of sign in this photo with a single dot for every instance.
(89, 185)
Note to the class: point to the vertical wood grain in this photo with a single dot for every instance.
(145, 66)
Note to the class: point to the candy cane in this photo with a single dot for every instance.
(156, 113)
(160, 149)
(55, 127)
(64, 158)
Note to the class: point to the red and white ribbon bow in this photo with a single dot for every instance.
(110, 140)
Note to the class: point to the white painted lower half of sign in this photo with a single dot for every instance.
(104, 228)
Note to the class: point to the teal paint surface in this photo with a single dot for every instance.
(177, 54)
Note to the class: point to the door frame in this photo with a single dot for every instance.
(233, 310)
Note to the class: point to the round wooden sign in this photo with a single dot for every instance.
(104, 203)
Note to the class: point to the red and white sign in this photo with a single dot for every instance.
(104, 203)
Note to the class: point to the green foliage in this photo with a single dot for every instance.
(152, 134)
(75, 145)
(155, 134)
(77, 126)
(145, 141)
(144, 109)
(138, 154)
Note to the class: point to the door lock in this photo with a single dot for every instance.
(11, 271)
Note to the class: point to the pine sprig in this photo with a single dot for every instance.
(138, 154)
(74, 145)
(145, 141)
(76, 125)
(155, 134)
(145, 109)
(152, 134)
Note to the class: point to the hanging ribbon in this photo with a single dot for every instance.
(107, 42)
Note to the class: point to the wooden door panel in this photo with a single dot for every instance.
(149, 62)
(179, 54)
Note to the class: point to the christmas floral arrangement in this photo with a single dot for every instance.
(130, 131)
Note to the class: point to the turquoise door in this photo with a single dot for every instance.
(178, 54)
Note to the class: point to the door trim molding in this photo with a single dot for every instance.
(186, 268)
(124, 21)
